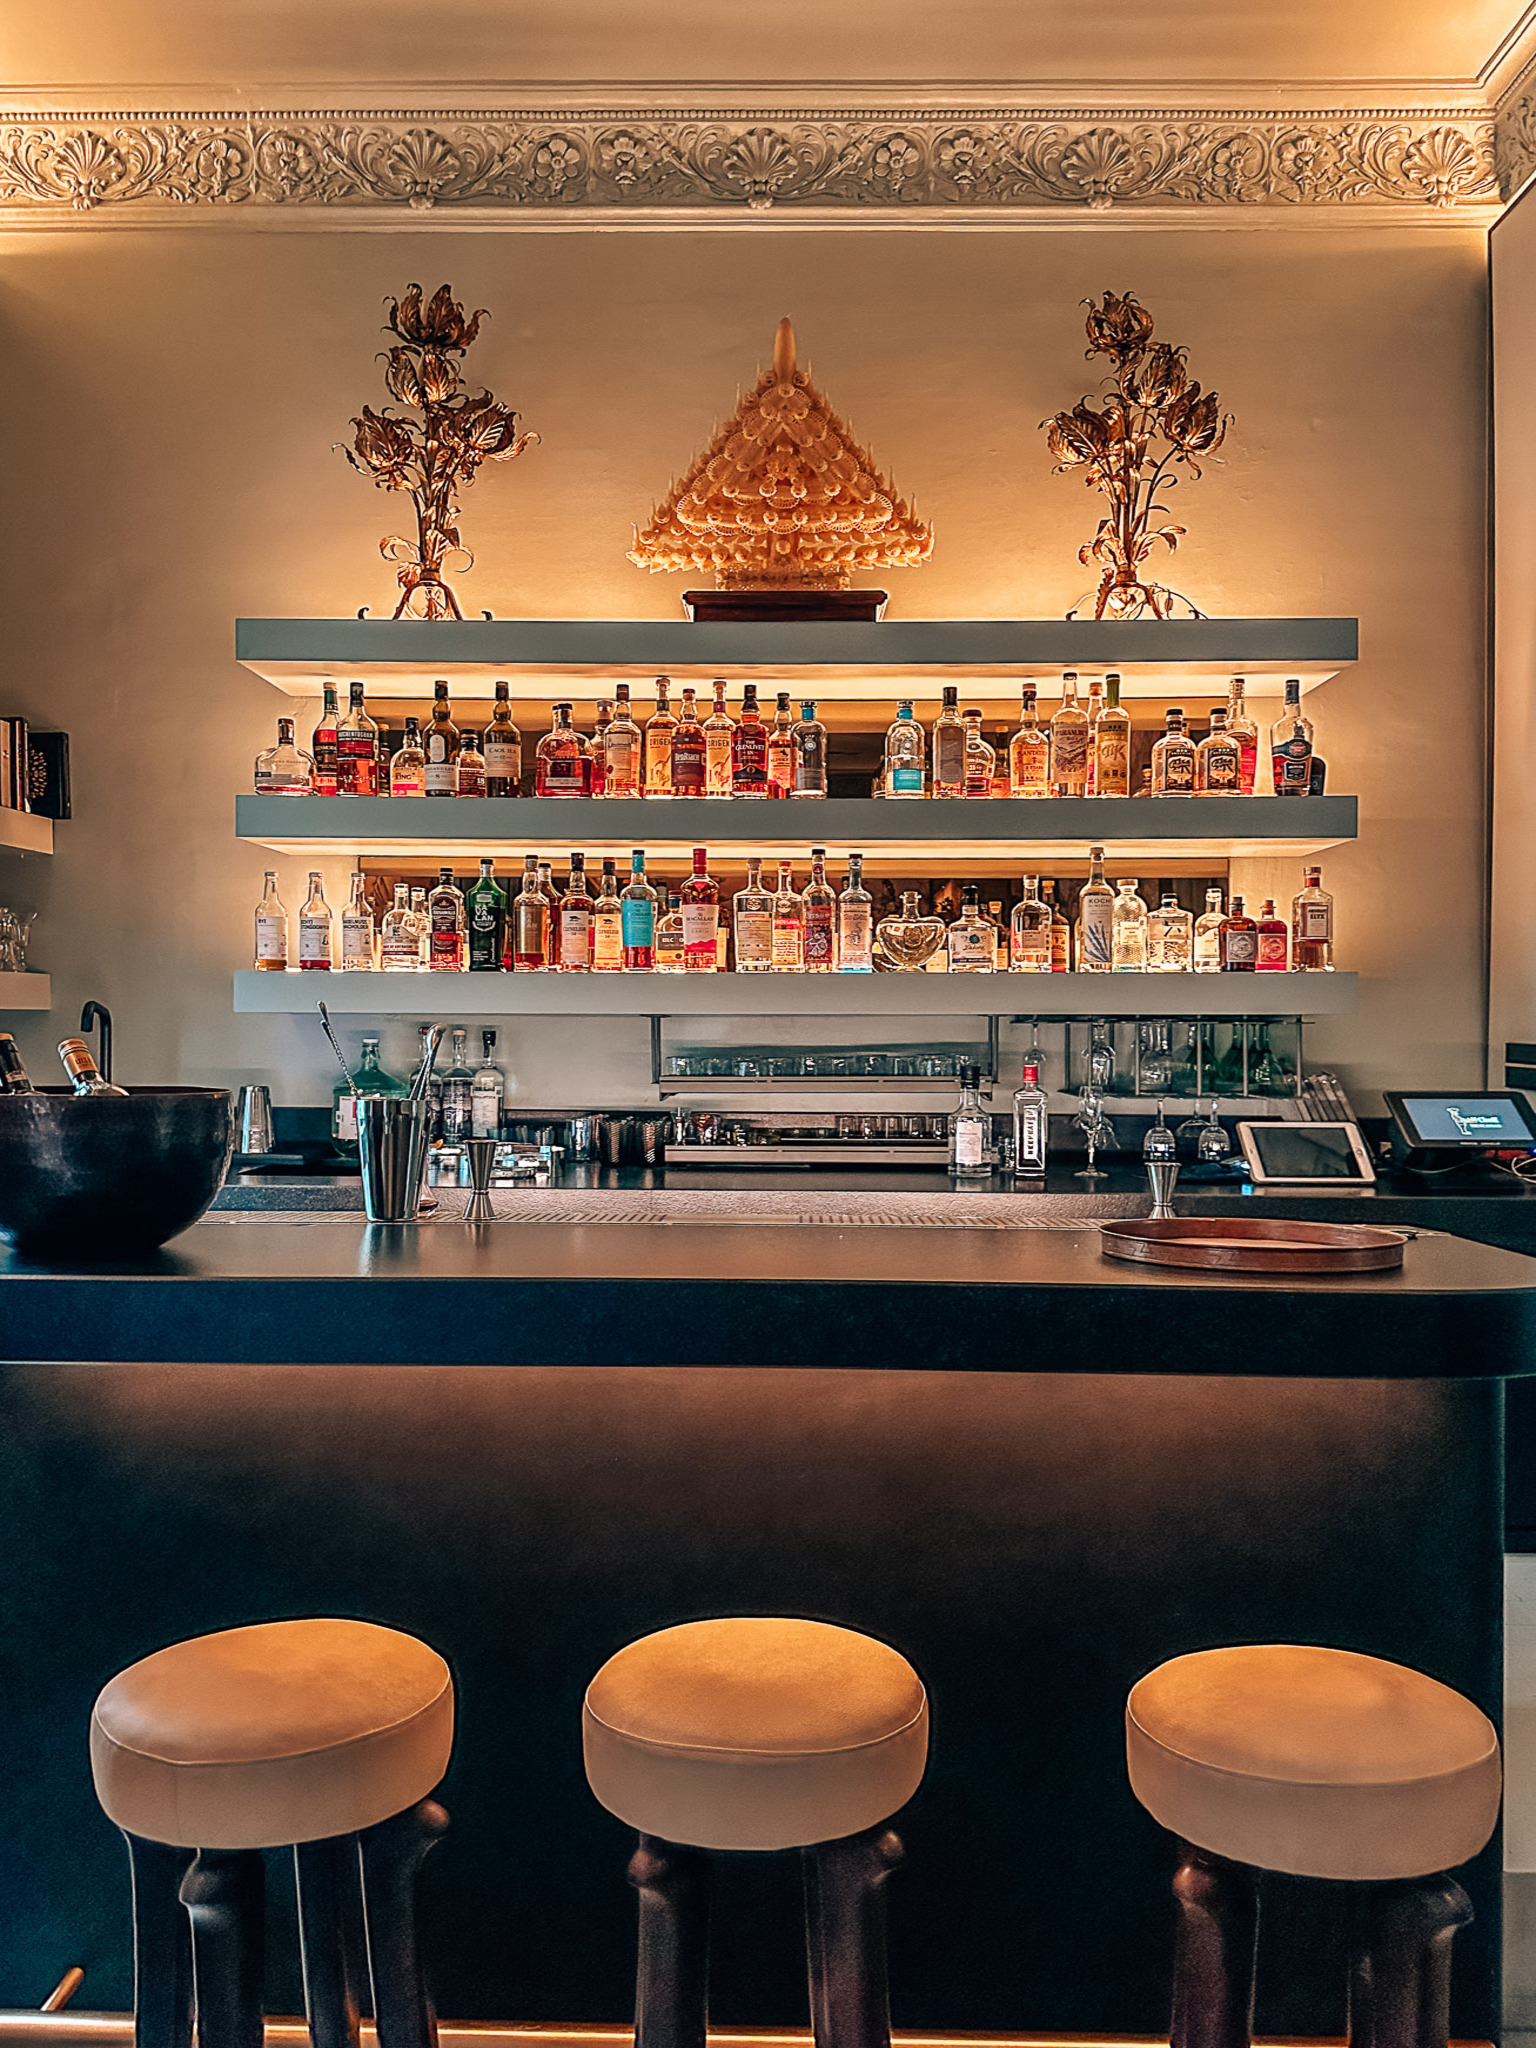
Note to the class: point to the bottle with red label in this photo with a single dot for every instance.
(1273, 940)
(701, 917)
(818, 909)
(323, 746)
(573, 922)
(1290, 746)
(563, 766)
(446, 924)
(1242, 728)
(1238, 941)
(781, 749)
(749, 770)
(357, 749)
(688, 750)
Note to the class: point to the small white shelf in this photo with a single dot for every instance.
(25, 832)
(25, 992)
(855, 996)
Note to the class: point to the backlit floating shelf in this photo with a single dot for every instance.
(799, 995)
(974, 830)
(26, 991)
(25, 832)
(583, 658)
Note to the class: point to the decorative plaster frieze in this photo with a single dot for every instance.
(1514, 143)
(958, 159)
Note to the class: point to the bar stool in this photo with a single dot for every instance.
(1324, 1764)
(321, 1735)
(759, 1734)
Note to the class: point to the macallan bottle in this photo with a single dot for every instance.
(1219, 759)
(1208, 934)
(1069, 742)
(408, 764)
(575, 921)
(818, 907)
(788, 922)
(701, 917)
(637, 918)
(272, 929)
(445, 922)
(315, 929)
(1273, 937)
(470, 763)
(1173, 758)
(323, 745)
(357, 748)
(1238, 941)
(357, 933)
(441, 777)
(855, 922)
(1095, 919)
(1029, 752)
(563, 766)
(503, 748)
(608, 925)
(781, 749)
(623, 746)
(752, 915)
(949, 746)
(658, 744)
(1112, 744)
(688, 750)
(530, 922)
(719, 746)
(1312, 926)
(749, 767)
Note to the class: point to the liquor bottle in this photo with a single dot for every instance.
(788, 922)
(1061, 932)
(749, 764)
(80, 1065)
(1093, 707)
(658, 744)
(315, 929)
(818, 907)
(1218, 759)
(1317, 782)
(970, 1131)
(907, 940)
(552, 922)
(1312, 926)
(562, 764)
(669, 937)
(470, 763)
(487, 1091)
(1095, 919)
(808, 747)
(719, 746)
(458, 1090)
(752, 915)
(972, 938)
(445, 923)
(781, 748)
(1246, 733)
(1290, 746)
(1170, 937)
(1128, 930)
(423, 925)
(906, 754)
(408, 764)
(1029, 751)
(1031, 1124)
(1112, 744)
(980, 756)
(284, 770)
(1029, 935)
(503, 748)
(357, 748)
(1238, 941)
(949, 747)
(14, 1078)
(598, 747)
(855, 922)
(357, 932)
(700, 896)
(1069, 742)
(1273, 939)
(530, 922)
(1208, 934)
(370, 1079)
(272, 928)
(623, 748)
(399, 940)
(440, 777)
(486, 909)
(637, 917)
(608, 925)
(688, 750)
(322, 746)
(574, 922)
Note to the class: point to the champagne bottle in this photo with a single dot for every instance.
(14, 1078)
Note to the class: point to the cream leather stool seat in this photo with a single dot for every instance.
(1323, 1763)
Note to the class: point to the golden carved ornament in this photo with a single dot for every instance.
(783, 498)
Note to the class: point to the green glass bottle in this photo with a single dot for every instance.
(371, 1080)
(486, 905)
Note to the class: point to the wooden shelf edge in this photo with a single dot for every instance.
(26, 992)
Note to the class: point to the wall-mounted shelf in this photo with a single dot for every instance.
(854, 996)
(1050, 828)
(25, 832)
(545, 658)
(25, 992)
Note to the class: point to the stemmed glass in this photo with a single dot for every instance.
(1098, 1132)
(1213, 1147)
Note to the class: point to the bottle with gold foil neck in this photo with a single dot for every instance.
(14, 1078)
(81, 1067)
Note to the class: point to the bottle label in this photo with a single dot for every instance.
(637, 918)
(565, 775)
(658, 760)
(503, 758)
(271, 938)
(949, 755)
(754, 938)
(788, 946)
(528, 925)
(314, 938)
(356, 942)
(344, 1122)
(324, 754)
(854, 935)
(751, 758)
(1272, 949)
(1247, 763)
(405, 777)
(1112, 762)
(966, 1149)
(485, 1107)
(401, 949)
(688, 768)
(969, 943)
(1174, 774)
(1223, 769)
(575, 935)
(607, 944)
(1314, 921)
(717, 762)
(1029, 1137)
(444, 951)
(1293, 767)
(619, 763)
(819, 935)
(1031, 950)
(905, 781)
(1097, 932)
(1240, 948)
(357, 767)
(441, 777)
(1069, 752)
(701, 923)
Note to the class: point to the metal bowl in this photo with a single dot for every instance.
(103, 1177)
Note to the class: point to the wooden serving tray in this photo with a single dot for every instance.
(1254, 1244)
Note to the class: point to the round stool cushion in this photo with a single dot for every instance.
(755, 1733)
(1319, 1762)
(286, 1732)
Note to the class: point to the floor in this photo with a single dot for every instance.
(1520, 1800)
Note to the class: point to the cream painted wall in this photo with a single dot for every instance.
(171, 398)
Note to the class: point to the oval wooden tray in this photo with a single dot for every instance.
(1254, 1244)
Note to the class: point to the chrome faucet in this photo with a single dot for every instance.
(99, 1015)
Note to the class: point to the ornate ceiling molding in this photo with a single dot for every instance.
(1422, 162)
(1514, 135)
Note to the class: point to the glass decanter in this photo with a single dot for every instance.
(908, 941)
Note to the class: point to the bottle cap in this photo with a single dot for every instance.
(970, 1077)
(1031, 1074)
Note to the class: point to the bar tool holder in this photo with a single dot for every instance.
(481, 1153)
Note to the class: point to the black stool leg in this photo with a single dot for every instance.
(845, 1937)
(321, 1870)
(162, 1946)
(1400, 1979)
(1214, 1951)
(392, 1855)
(672, 1976)
(224, 1895)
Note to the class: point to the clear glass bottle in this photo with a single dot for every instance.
(80, 1065)
(597, 747)
(669, 937)
(749, 765)
(719, 746)
(562, 764)
(637, 917)
(470, 763)
(1170, 937)
(1242, 729)
(551, 896)
(1069, 742)
(752, 916)
(972, 938)
(458, 1089)
(408, 764)
(399, 939)
(1112, 743)
(322, 746)
(949, 746)
(855, 922)
(608, 924)
(907, 939)
(623, 749)
(688, 750)
(423, 925)
(357, 930)
(434, 1093)
(1029, 751)
(357, 748)
(1061, 931)
(1218, 759)
(808, 748)
(788, 922)
(485, 908)
(1290, 746)
(487, 1091)
(980, 756)
(285, 770)
(1031, 1125)
(530, 922)
(818, 908)
(1238, 940)
(659, 728)
(503, 748)
(1128, 930)
(970, 1131)
(1312, 926)
(445, 925)
(906, 754)
(315, 929)
(1273, 939)
(1208, 934)
(371, 1079)
(700, 896)
(1095, 919)
(272, 928)
(781, 748)
(440, 777)
(1173, 758)
(573, 921)
(1093, 707)
(1029, 935)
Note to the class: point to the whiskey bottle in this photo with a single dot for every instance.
(487, 1091)
(1219, 759)
(1095, 919)
(1128, 930)
(1112, 744)
(486, 910)
(1208, 934)
(408, 764)
(818, 909)
(1069, 742)
(980, 756)
(972, 938)
(906, 754)
(574, 921)
(688, 750)
(562, 765)
(530, 922)
(357, 933)
(701, 917)
(1029, 936)
(788, 923)
(1290, 746)
(719, 746)
(608, 924)
(637, 917)
(322, 746)
(80, 1065)
(503, 748)
(781, 748)
(470, 763)
(752, 915)
(440, 777)
(1173, 758)
(669, 937)
(1312, 926)
(1029, 752)
(458, 1090)
(855, 922)
(809, 748)
(598, 747)
(970, 1131)
(949, 747)
(315, 929)
(399, 938)
(623, 747)
(658, 744)
(1246, 733)
(1170, 937)
(749, 765)
(357, 748)
(445, 926)
(1031, 1125)
(271, 928)
(1238, 941)
(14, 1078)
(284, 770)
(1273, 940)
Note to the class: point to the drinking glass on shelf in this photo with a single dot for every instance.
(1098, 1133)
(1155, 1058)
(1213, 1147)
(1187, 1135)
(1099, 1061)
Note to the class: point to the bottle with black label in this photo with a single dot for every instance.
(14, 1078)
(1290, 746)
(503, 749)
(441, 776)
(486, 907)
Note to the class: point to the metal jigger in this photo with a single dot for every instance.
(1162, 1177)
(482, 1157)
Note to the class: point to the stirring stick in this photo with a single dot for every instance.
(325, 1019)
(428, 1060)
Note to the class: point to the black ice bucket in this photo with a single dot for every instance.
(107, 1176)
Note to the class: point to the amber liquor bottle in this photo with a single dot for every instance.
(1238, 941)
(818, 906)
(659, 728)
(574, 921)
(530, 922)
(357, 749)
(440, 776)
(749, 772)
(503, 748)
(323, 745)
(1312, 926)
(445, 923)
(701, 917)
(1273, 940)
(688, 750)
(781, 749)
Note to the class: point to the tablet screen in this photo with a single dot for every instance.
(1305, 1151)
(1467, 1120)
